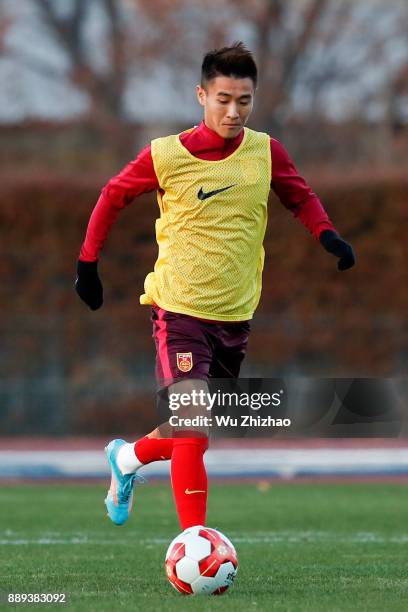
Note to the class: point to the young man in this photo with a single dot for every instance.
(212, 185)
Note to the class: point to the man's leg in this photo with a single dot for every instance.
(158, 444)
(125, 459)
(184, 354)
(186, 449)
(230, 349)
(150, 448)
(174, 335)
(188, 472)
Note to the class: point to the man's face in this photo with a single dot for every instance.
(227, 104)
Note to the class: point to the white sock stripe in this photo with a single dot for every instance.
(127, 460)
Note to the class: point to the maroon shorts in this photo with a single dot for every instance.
(187, 347)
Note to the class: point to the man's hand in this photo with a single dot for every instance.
(88, 284)
(339, 247)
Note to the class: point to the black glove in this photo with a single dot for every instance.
(339, 247)
(88, 284)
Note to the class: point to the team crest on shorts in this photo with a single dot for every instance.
(184, 361)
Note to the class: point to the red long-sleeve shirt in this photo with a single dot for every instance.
(139, 177)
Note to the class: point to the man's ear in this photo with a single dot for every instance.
(201, 94)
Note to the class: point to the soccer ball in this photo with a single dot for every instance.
(201, 561)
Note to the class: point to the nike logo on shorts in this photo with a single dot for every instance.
(202, 195)
(188, 492)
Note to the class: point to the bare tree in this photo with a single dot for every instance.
(299, 44)
(284, 32)
(105, 90)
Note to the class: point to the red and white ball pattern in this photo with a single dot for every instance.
(201, 561)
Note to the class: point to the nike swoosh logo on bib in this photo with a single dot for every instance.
(202, 195)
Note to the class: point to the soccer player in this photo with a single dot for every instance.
(212, 184)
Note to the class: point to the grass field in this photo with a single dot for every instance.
(300, 547)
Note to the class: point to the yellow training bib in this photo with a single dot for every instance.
(212, 223)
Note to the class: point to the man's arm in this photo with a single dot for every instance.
(136, 178)
(296, 195)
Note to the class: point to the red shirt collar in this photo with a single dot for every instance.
(206, 144)
(217, 141)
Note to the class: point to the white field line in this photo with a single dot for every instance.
(273, 537)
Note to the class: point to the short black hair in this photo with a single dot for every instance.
(235, 61)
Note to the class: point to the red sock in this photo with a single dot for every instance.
(189, 480)
(153, 449)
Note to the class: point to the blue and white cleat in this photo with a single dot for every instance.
(120, 495)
